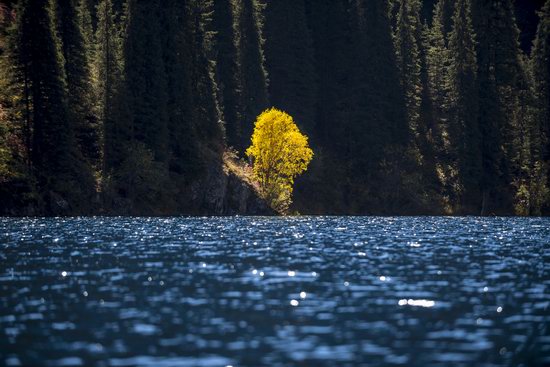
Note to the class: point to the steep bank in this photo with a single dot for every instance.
(224, 189)
(228, 190)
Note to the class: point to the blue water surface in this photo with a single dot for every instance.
(296, 291)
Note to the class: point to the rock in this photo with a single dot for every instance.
(242, 199)
(213, 190)
(225, 193)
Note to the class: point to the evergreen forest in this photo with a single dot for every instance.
(411, 107)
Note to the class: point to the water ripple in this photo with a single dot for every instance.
(320, 291)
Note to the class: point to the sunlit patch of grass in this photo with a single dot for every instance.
(239, 167)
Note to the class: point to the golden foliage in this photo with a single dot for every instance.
(280, 153)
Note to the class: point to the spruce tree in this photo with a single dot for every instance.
(206, 112)
(465, 133)
(184, 158)
(428, 131)
(445, 10)
(290, 61)
(55, 157)
(140, 120)
(12, 132)
(438, 66)
(253, 81)
(407, 47)
(70, 16)
(330, 27)
(224, 24)
(416, 164)
(502, 85)
(382, 73)
(86, 26)
(397, 160)
(145, 78)
(540, 69)
(403, 116)
(373, 127)
(108, 71)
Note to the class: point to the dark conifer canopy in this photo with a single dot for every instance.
(411, 106)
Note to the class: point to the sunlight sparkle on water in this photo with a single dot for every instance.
(416, 302)
(161, 296)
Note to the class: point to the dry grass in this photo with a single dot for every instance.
(240, 168)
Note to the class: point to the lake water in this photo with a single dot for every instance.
(304, 291)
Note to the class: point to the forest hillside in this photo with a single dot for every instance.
(411, 107)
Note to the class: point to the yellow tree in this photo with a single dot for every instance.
(280, 152)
